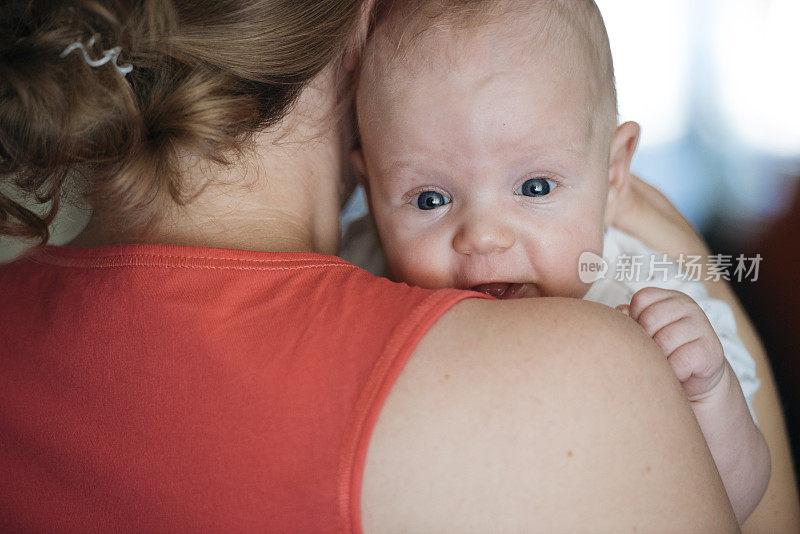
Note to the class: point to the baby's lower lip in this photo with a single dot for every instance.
(502, 290)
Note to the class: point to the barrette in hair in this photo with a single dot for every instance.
(112, 54)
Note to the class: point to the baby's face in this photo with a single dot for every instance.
(482, 173)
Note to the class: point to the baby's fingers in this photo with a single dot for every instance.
(644, 298)
(655, 310)
(677, 333)
(682, 360)
(650, 296)
(697, 373)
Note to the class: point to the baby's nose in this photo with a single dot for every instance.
(483, 236)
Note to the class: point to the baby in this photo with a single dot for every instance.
(492, 160)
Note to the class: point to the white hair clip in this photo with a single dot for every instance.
(112, 54)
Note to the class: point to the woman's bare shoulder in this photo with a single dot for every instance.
(545, 414)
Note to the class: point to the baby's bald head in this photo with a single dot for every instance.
(570, 30)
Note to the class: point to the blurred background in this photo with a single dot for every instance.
(715, 85)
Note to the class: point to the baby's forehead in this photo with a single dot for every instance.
(446, 65)
(412, 60)
(418, 44)
(430, 38)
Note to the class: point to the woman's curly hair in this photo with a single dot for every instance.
(207, 75)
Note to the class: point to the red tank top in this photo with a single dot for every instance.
(182, 389)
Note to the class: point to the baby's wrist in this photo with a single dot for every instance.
(725, 420)
(736, 444)
(719, 390)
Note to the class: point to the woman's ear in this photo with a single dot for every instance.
(360, 169)
(350, 59)
(623, 146)
(356, 42)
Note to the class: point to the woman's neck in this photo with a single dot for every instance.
(233, 221)
(283, 197)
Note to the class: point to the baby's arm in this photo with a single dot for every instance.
(680, 327)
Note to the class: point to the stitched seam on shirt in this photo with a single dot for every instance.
(437, 303)
(77, 265)
(173, 256)
(134, 260)
(363, 406)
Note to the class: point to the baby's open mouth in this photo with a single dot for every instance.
(502, 290)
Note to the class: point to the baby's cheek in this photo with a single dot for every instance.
(563, 267)
(566, 283)
(416, 262)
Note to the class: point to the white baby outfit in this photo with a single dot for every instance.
(620, 283)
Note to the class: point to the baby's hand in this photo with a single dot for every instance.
(680, 327)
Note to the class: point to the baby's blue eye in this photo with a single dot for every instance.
(429, 200)
(536, 187)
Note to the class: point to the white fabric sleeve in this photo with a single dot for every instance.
(613, 291)
(721, 318)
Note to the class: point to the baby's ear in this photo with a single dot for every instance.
(623, 146)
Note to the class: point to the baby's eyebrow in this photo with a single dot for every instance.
(565, 159)
(553, 148)
(401, 173)
(402, 163)
(405, 171)
(399, 164)
(562, 159)
(540, 139)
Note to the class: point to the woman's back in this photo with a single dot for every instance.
(193, 389)
(182, 388)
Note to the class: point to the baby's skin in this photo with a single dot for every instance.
(683, 332)
(492, 159)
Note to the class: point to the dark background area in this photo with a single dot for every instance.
(773, 302)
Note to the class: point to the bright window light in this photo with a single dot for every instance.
(651, 42)
(757, 53)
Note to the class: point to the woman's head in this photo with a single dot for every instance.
(207, 75)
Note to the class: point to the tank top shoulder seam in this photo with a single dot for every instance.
(197, 262)
(384, 373)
